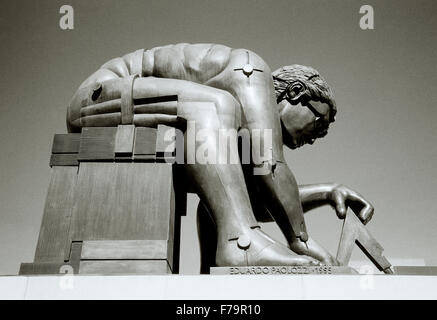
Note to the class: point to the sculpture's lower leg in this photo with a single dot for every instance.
(221, 187)
(239, 239)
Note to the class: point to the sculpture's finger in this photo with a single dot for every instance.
(340, 205)
(366, 214)
(104, 107)
(356, 202)
(101, 120)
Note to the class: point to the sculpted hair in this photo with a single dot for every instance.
(317, 88)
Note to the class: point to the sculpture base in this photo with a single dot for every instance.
(201, 287)
(113, 205)
(281, 270)
(416, 270)
(104, 267)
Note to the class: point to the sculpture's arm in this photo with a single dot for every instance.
(315, 195)
(255, 92)
(282, 199)
(98, 100)
(338, 196)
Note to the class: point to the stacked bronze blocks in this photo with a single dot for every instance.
(113, 205)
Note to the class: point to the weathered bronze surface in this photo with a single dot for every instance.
(208, 88)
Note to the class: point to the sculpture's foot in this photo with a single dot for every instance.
(312, 249)
(255, 248)
(330, 261)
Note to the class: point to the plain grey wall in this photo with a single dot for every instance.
(383, 143)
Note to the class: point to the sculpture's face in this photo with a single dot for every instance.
(305, 103)
(303, 123)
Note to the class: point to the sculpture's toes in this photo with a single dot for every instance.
(255, 248)
(309, 261)
(330, 261)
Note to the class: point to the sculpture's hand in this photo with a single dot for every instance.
(341, 197)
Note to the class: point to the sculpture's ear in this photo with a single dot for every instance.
(295, 91)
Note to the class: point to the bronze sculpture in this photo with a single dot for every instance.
(216, 88)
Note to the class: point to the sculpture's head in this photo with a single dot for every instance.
(306, 104)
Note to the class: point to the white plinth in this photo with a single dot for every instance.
(219, 287)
